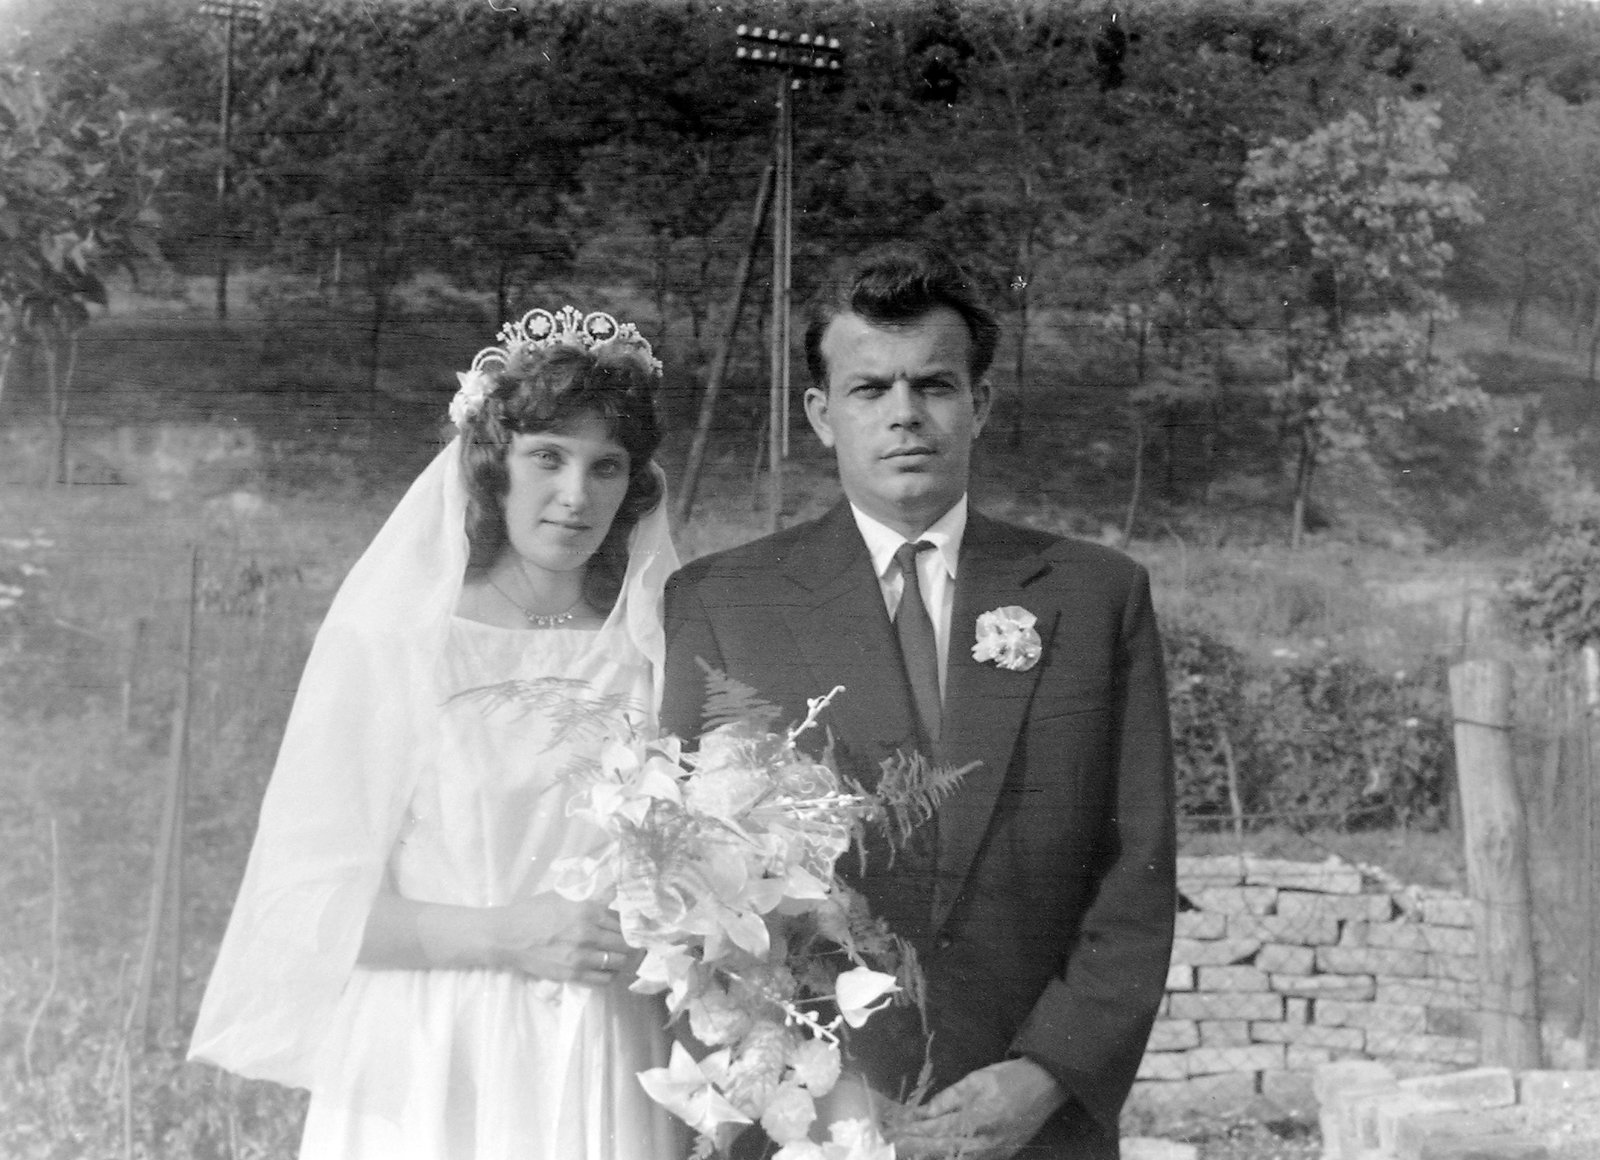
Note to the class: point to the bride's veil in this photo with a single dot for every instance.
(362, 727)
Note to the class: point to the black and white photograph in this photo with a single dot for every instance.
(800, 580)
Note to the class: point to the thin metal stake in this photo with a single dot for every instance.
(169, 845)
(130, 674)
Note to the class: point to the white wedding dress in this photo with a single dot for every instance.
(491, 1065)
(387, 776)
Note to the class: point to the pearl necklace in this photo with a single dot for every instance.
(537, 619)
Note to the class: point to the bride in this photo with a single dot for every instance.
(395, 947)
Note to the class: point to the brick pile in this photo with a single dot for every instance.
(1490, 1113)
(1280, 966)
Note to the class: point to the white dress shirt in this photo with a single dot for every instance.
(936, 570)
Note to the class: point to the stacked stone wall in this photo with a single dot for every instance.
(1279, 967)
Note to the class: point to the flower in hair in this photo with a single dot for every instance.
(470, 398)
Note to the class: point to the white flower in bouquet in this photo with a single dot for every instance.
(756, 1069)
(632, 779)
(816, 1065)
(728, 777)
(850, 1140)
(788, 1115)
(684, 1089)
(666, 967)
(716, 1019)
(861, 991)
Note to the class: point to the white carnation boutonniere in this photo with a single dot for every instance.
(469, 400)
(1007, 637)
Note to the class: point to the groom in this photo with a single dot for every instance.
(1040, 900)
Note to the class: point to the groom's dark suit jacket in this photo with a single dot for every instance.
(1045, 924)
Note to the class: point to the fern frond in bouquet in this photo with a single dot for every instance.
(572, 707)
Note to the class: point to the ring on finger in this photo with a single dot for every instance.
(605, 960)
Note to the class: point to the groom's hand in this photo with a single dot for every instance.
(989, 1114)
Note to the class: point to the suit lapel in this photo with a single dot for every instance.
(985, 705)
(843, 632)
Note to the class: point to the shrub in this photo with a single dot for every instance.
(1556, 597)
(1210, 718)
(1335, 738)
(1322, 740)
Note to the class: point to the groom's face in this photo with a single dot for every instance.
(900, 412)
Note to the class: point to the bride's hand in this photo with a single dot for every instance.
(550, 937)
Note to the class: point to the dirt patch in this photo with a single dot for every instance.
(1570, 1128)
(1258, 1140)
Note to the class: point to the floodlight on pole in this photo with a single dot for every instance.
(795, 56)
(230, 12)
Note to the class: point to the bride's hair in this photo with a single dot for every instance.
(542, 389)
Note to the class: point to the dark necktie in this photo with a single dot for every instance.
(917, 645)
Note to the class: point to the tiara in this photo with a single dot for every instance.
(538, 329)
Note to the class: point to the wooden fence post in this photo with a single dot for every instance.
(1589, 887)
(1495, 835)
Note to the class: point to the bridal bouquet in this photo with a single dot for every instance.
(720, 864)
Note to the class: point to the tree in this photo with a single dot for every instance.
(79, 177)
(340, 139)
(503, 203)
(1359, 210)
(163, 54)
(1031, 83)
(1524, 155)
(690, 127)
(1178, 372)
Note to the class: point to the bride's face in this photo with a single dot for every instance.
(566, 487)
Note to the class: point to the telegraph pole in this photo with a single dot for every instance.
(793, 56)
(230, 12)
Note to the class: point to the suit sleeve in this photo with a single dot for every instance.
(1090, 1026)
(690, 639)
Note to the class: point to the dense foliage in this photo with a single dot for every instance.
(1313, 741)
(1361, 209)
(1556, 598)
(79, 175)
(1192, 187)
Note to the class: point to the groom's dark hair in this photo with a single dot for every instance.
(895, 284)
